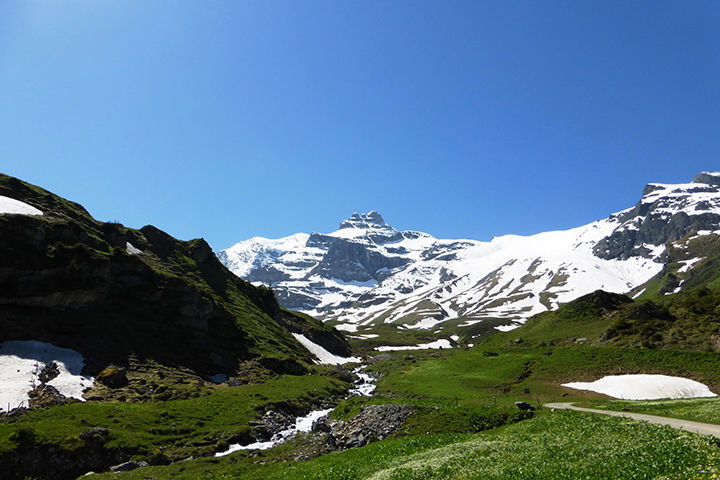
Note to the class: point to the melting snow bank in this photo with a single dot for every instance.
(442, 343)
(10, 205)
(323, 355)
(645, 387)
(21, 363)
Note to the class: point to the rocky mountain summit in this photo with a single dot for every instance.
(368, 273)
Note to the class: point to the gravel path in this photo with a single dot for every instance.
(687, 425)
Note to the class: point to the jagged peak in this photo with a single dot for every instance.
(371, 219)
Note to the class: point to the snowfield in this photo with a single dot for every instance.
(10, 205)
(442, 343)
(22, 361)
(323, 355)
(645, 387)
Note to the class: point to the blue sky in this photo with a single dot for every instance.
(231, 119)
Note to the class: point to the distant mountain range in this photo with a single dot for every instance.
(367, 273)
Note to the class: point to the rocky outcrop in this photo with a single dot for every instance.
(270, 424)
(374, 422)
(352, 261)
(708, 178)
(664, 214)
(46, 396)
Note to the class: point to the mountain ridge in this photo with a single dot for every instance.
(367, 273)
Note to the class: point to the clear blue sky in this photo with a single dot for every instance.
(230, 119)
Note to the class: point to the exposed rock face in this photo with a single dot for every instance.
(356, 262)
(708, 178)
(366, 220)
(46, 396)
(665, 213)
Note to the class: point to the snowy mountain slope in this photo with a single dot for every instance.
(368, 273)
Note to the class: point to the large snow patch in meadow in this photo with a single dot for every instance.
(10, 205)
(323, 355)
(21, 362)
(645, 387)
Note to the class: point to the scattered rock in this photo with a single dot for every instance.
(46, 396)
(490, 354)
(373, 422)
(271, 423)
(321, 425)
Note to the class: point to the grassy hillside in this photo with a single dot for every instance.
(687, 320)
(562, 445)
(54, 443)
(73, 281)
(705, 410)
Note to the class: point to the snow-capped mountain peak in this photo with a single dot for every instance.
(368, 273)
(368, 220)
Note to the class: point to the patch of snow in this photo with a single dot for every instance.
(506, 328)
(454, 338)
(365, 336)
(10, 205)
(442, 343)
(323, 355)
(131, 249)
(22, 360)
(688, 264)
(426, 323)
(645, 387)
(347, 327)
(639, 293)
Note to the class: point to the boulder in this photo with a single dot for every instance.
(113, 377)
(321, 425)
(524, 406)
